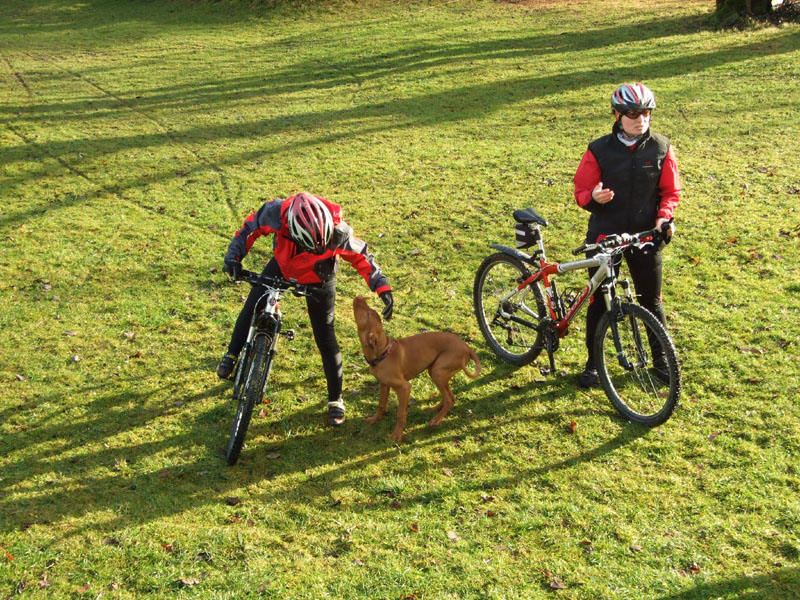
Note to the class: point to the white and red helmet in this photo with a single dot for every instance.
(632, 96)
(310, 222)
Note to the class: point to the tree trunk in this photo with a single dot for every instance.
(751, 7)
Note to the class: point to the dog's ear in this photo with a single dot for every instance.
(373, 340)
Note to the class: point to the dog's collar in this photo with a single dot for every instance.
(374, 362)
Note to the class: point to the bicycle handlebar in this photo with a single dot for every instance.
(278, 283)
(617, 242)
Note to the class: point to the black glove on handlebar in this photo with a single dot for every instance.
(389, 302)
(232, 267)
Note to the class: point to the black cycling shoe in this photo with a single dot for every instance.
(589, 378)
(225, 366)
(335, 413)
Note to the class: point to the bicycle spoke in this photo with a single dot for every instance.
(498, 307)
(638, 365)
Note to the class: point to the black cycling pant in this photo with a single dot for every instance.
(320, 313)
(645, 271)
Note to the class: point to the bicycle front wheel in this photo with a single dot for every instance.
(254, 382)
(638, 364)
(508, 317)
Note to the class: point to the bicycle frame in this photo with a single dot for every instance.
(603, 278)
(265, 321)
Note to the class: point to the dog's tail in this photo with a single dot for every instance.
(477, 362)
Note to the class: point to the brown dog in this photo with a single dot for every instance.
(396, 361)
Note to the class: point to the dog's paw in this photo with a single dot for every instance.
(372, 420)
(397, 437)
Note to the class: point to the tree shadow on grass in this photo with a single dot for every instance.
(781, 584)
(465, 103)
(61, 482)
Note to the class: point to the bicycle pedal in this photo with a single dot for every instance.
(289, 333)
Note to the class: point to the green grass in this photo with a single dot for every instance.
(136, 136)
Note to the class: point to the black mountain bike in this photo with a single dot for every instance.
(252, 371)
(521, 312)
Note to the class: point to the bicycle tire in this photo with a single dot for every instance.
(512, 341)
(255, 380)
(648, 392)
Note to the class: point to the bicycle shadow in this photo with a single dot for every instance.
(64, 483)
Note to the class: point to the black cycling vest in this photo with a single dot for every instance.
(633, 175)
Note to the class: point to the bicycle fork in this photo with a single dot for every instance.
(615, 306)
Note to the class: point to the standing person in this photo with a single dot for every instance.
(310, 236)
(628, 180)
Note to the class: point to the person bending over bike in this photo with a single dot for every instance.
(628, 180)
(310, 236)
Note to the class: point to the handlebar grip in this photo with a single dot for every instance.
(579, 250)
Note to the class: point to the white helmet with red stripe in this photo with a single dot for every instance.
(310, 222)
(632, 96)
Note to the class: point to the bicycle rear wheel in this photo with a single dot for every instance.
(506, 316)
(638, 364)
(255, 380)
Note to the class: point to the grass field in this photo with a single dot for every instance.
(136, 136)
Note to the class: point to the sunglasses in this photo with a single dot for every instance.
(635, 114)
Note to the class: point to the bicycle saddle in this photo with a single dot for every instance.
(529, 215)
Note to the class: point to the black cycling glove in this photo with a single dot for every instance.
(232, 267)
(389, 305)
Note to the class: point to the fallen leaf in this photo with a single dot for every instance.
(358, 562)
(131, 335)
(189, 581)
(713, 436)
(452, 536)
(557, 584)
(9, 557)
(414, 527)
(83, 588)
(447, 472)
(635, 548)
(20, 377)
(232, 501)
(694, 569)
(273, 456)
(573, 426)
(486, 498)
(167, 547)
(751, 350)
(70, 333)
(113, 585)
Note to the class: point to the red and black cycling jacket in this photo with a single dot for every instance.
(305, 267)
(644, 178)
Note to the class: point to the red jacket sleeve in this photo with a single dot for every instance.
(669, 186)
(586, 178)
(265, 220)
(355, 251)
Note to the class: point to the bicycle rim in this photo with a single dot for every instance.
(515, 342)
(255, 380)
(638, 370)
